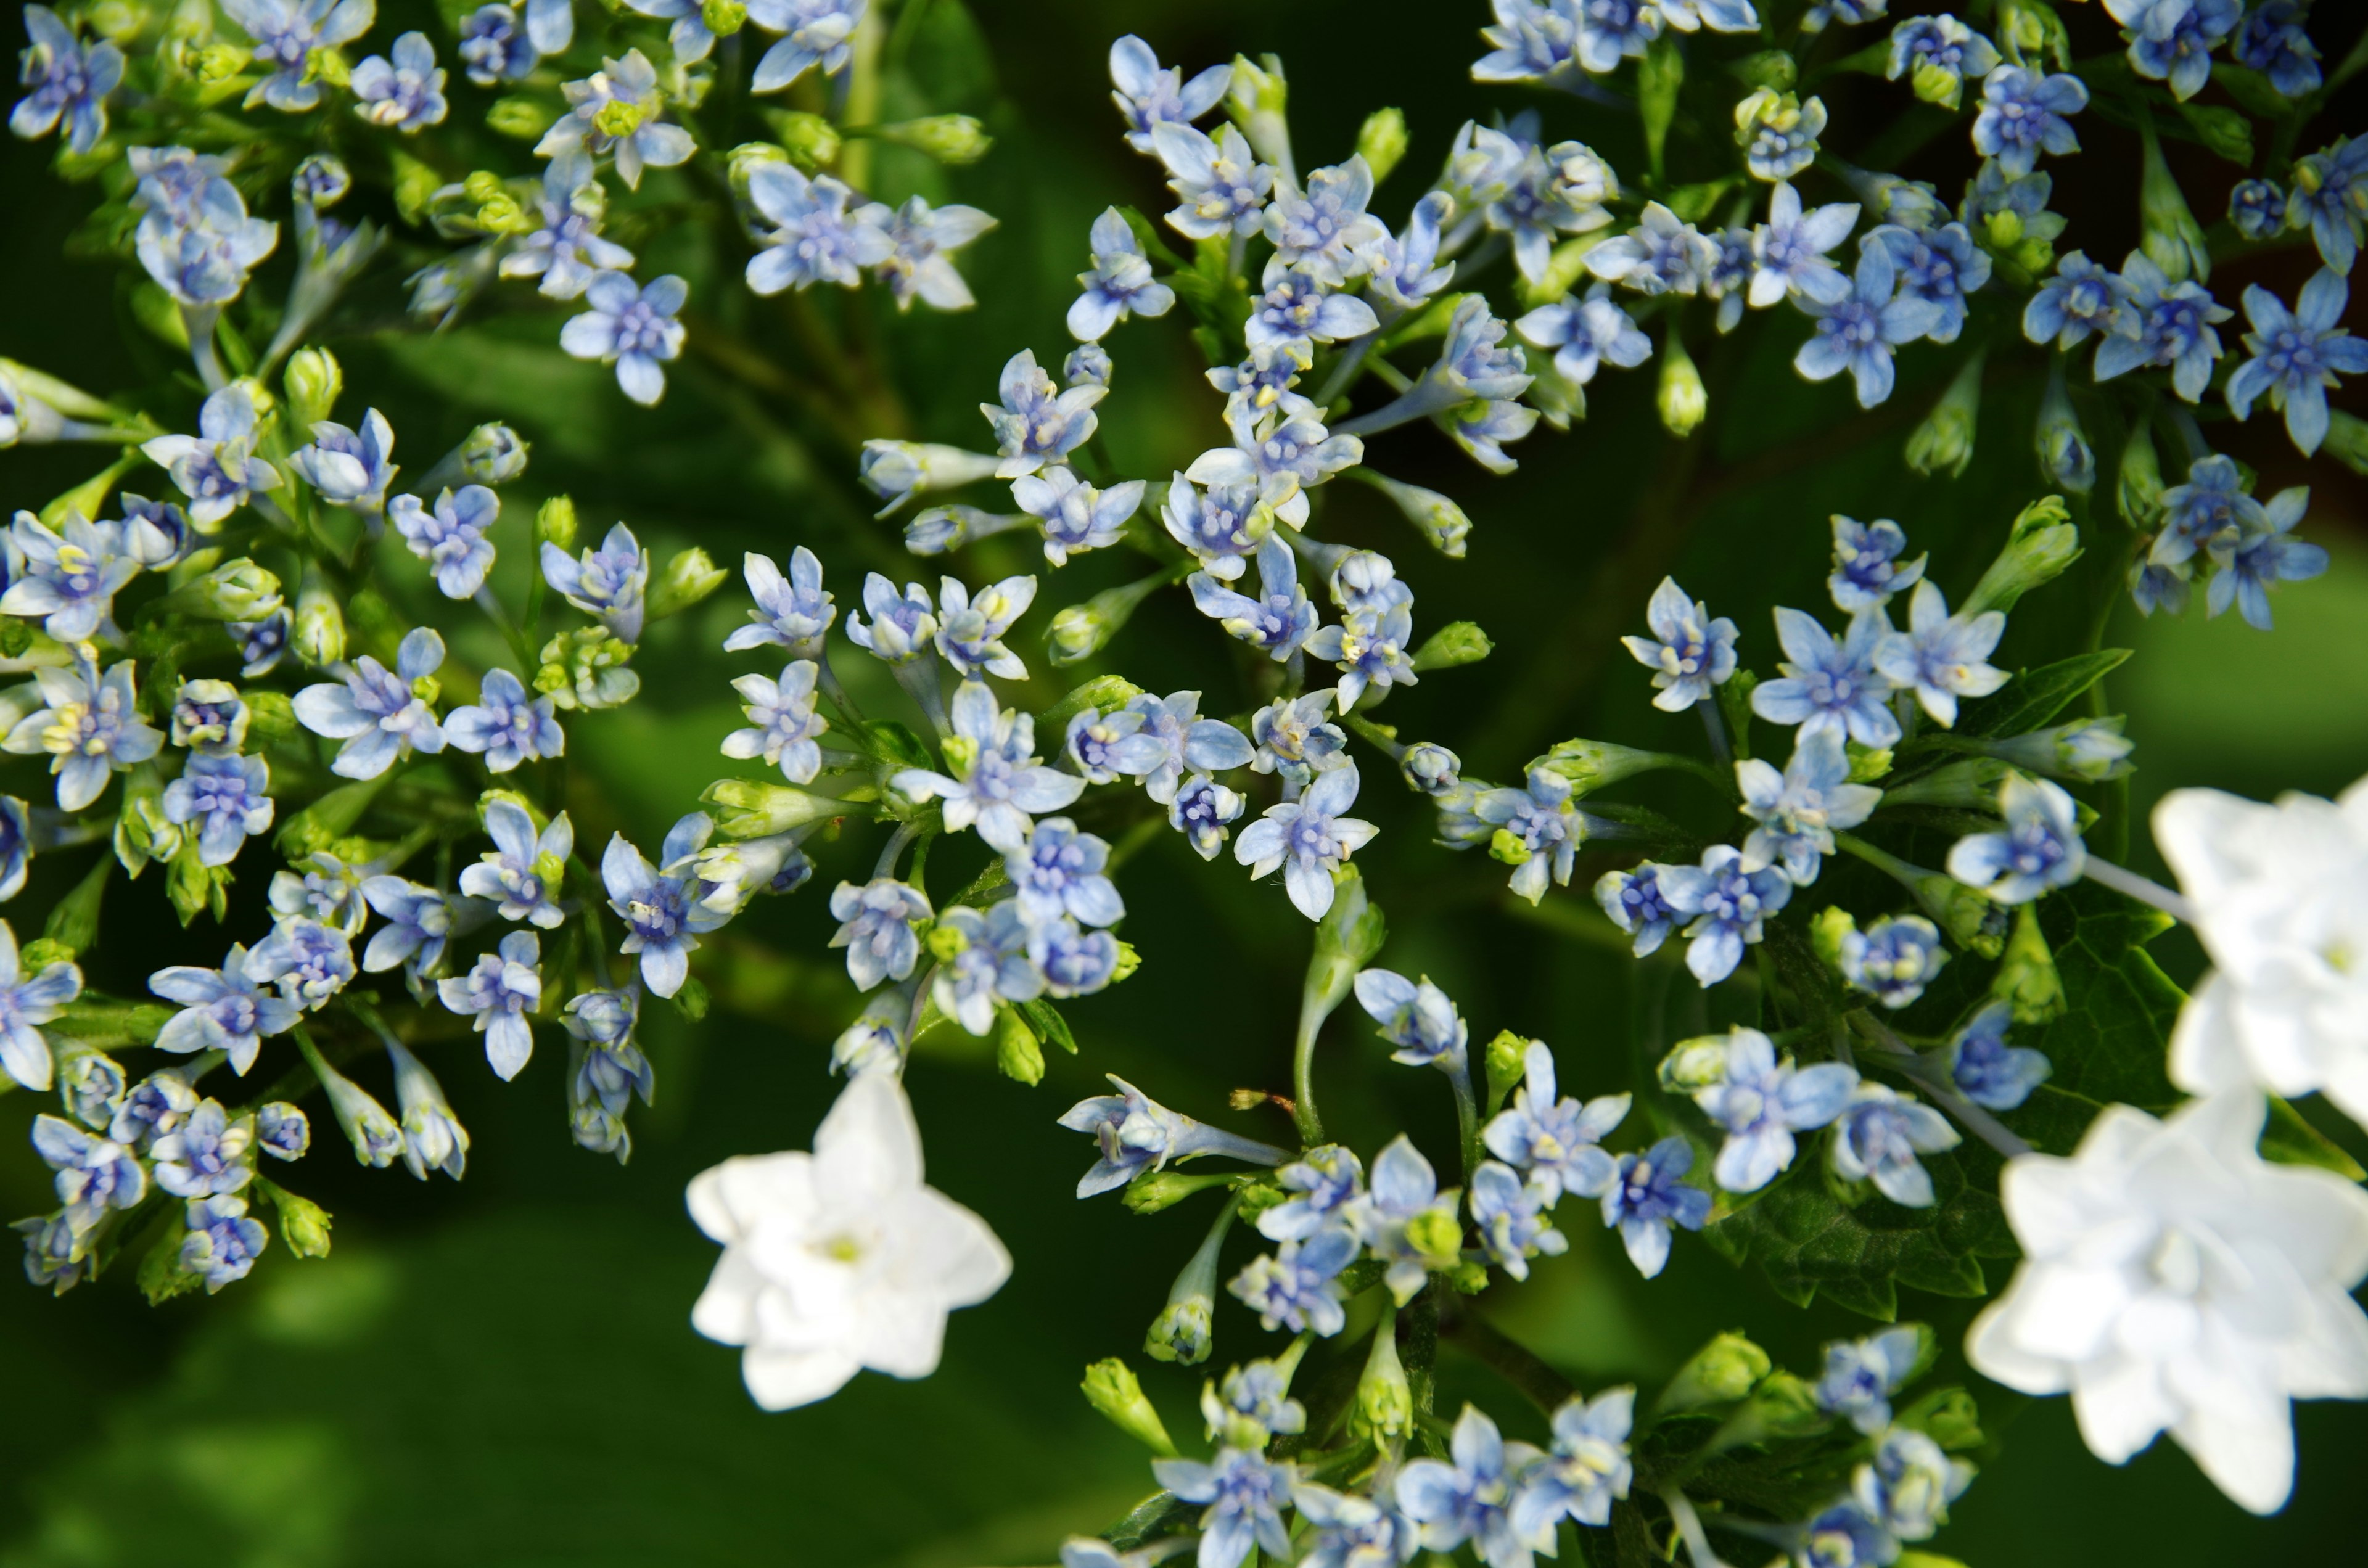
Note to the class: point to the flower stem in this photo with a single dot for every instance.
(1467, 1115)
(1715, 728)
(1536, 1381)
(2145, 890)
(1898, 1055)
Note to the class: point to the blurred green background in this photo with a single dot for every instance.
(502, 1372)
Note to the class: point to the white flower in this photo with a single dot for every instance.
(2175, 1280)
(839, 1259)
(2280, 895)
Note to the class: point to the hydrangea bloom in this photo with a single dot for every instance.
(418, 920)
(1278, 621)
(222, 1243)
(793, 612)
(1941, 657)
(69, 576)
(1789, 251)
(1858, 332)
(1877, 1137)
(1986, 1069)
(403, 93)
(2039, 852)
(1662, 255)
(2172, 41)
(662, 923)
(1149, 96)
(2272, 41)
(524, 873)
(567, 252)
(26, 1004)
(1727, 904)
(1002, 783)
(94, 1174)
(2081, 298)
(785, 727)
(1417, 1017)
(375, 711)
(1556, 1143)
(350, 468)
(90, 725)
(615, 111)
(2327, 192)
(1892, 959)
(1245, 1494)
(1310, 838)
(633, 329)
(1637, 905)
(815, 34)
(2163, 323)
(224, 798)
(1542, 825)
(1798, 810)
(1941, 266)
(1760, 1101)
(286, 34)
(1119, 283)
(1220, 184)
(451, 539)
(1650, 1196)
(1694, 654)
(2025, 113)
(2296, 356)
(1828, 683)
(217, 468)
(70, 81)
(309, 962)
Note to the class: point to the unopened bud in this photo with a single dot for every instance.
(1969, 785)
(303, 1225)
(312, 381)
(2092, 750)
(1180, 1333)
(240, 590)
(2168, 234)
(1081, 631)
(1694, 1065)
(1682, 400)
(1103, 694)
(218, 63)
(2065, 455)
(1783, 1405)
(1430, 768)
(2042, 543)
(318, 636)
(1506, 1061)
(1384, 1406)
(1111, 1388)
(416, 186)
(1770, 68)
(1826, 932)
(754, 809)
(1153, 1192)
(1592, 764)
(1435, 1237)
(724, 17)
(1945, 442)
(493, 454)
(1382, 142)
(1457, 642)
(1017, 1053)
(2138, 490)
(2225, 130)
(1441, 521)
(1721, 1372)
(898, 470)
(522, 119)
(811, 142)
(2027, 979)
(954, 139)
(1973, 921)
(1936, 83)
(1258, 101)
(555, 523)
(690, 577)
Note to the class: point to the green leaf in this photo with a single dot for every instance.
(2291, 1141)
(1046, 1020)
(2113, 1041)
(2034, 696)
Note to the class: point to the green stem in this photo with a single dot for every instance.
(1535, 1382)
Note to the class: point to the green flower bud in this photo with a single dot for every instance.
(2090, 750)
(2224, 130)
(1969, 785)
(1948, 1416)
(1382, 142)
(1972, 921)
(1783, 1405)
(270, 716)
(1506, 1063)
(690, 577)
(1154, 1192)
(1771, 69)
(1017, 1053)
(1385, 1405)
(219, 62)
(586, 668)
(195, 887)
(1181, 1331)
(2169, 235)
(1938, 85)
(754, 809)
(1435, 1237)
(1682, 400)
(1441, 521)
(238, 591)
(1258, 102)
(2065, 454)
(520, 119)
(1945, 442)
(311, 381)
(1104, 694)
(327, 818)
(2004, 228)
(303, 1225)
(1826, 933)
(959, 751)
(1721, 1372)
(1081, 631)
(1698, 1064)
(416, 186)
(1592, 764)
(2346, 440)
(493, 454)
(1457, 642)
(555, 523)
(318, 636)
(1867, 764)
(330, 67)
(2138, 490)
(1508, 848)
(619, 118)
(2027, 979)
(1111, 1388)
(141, 833)
(724, 17)
(811, 142)
(2042, 543)
(954, 139)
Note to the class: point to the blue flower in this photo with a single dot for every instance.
(1136, 1133)
(206, 1155)
(1256, 1397)
(225, 796)
(1867, 568)
(1556, 1143)
(1694, 654)
(508, 723)
(611, 1070)
(1941, 657)
(222, 1243)
(500, 989)
(1470, 1497)
(260, 642)
(2210, 507)
(2162, 323)
(786, 725)
(282, 1131)
(2256, 559)
(1830, 685)
(793, 612)
(1220, 526)
(154, 1107)
(1531, 42)
(90, 725)
(1609, 31)
(1660, 255)
(625, 95)
(1861, 1376)
(1892, 959)
(632, 328)
(1245, 1494)
(1119, 283)
(494, 47)
(1941, 266)
(1797, 810)
(1324, 1183)
(1778, 132)
(1845, 1536)
(1858, 333)
(690, 38)
(1220, 184)
(1089, 365)
(1789, 251)
(662, 924)
(1172, 739)
(451, 539)
(817, 34)
(1310, 838)
(523, 874)
(1093, 743)
(1001, 783)
(1877, 1138)
(2024, 114)
(377, 712)
(69, 579)
(1404, 270)
(286, 34)
(1636, 902)
(1650, 1196)
(1586, 333)
(1405, 1220)
(405, 94)
(418, 920)
(2296, 356)
(1942, 44)
(1284, 453)
(70, 81)
(1059, 872)
(2272, 41)
(2039, 852)
(1200, 811)
(1587, 1471)
(1298, 311)
(2081, 298)
(1909, 1485)
(989, 964)
(1727, 904)
(1760, 1100)
(1537, 194)
(1037, 423)
(2258, 208)
(1430, 768)
(611, 582)
(1324, 231)
(1415, 1017)
(94, 1174)
(1989, 1071)
(876, 927)
(1542, 824)
(217, 468)
(1278, 621)
(16, 847)
(1730, 278)
(1372, 649)
(323, 888)
(2327, 188)
(816, 239)
(1072, 962)
(1292, 738)
(567, 251)
(1075, 515)
(350, 468)
(308, 961)
(433, 1137)
(1149, 96)
(1510, 1216)
(2172, 41)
